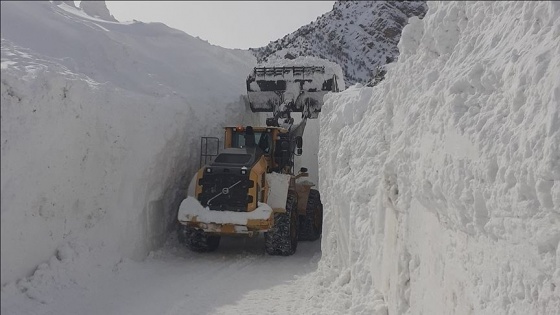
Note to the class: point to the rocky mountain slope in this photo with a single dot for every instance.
(358, 35)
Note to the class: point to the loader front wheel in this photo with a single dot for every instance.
(197, 240)
(311, 225)
(282, 239)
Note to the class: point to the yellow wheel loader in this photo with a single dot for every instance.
(250, 186)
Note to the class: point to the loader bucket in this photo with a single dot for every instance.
(299, 89)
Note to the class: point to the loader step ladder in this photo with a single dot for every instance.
(209, 149)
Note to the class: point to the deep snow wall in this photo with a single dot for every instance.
(100, 130)
(441, 185)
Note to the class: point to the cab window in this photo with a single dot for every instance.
(262, 139)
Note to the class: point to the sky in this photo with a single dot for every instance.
(230, 24)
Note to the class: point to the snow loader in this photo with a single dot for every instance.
(251, 187)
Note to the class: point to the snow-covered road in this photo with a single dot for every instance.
(174, 280)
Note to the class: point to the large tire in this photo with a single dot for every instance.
(311, 224)
(282, 239)
(197, 240)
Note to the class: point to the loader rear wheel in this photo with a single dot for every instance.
(282, 239)
(311, 224)
(197, 240)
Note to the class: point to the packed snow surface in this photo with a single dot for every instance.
(171, 281)
(441, 185)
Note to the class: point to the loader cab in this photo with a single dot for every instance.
(249, 137)
(240, 137)
(272, 142)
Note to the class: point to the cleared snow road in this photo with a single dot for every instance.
(174, 280)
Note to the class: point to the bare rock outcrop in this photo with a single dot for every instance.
(97, 9)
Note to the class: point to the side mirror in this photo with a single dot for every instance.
(303, 170)
(299, 144)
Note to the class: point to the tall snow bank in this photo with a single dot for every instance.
(441, 186)
(100, 127)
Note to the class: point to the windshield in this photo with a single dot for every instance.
(262, 140)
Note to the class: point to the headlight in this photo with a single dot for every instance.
(208, 170)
